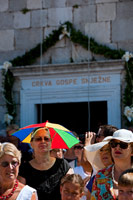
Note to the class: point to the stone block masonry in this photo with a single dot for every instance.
(6, 40)
(3, 5)
(106, 12)
(21, 22)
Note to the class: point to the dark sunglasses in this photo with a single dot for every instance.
(6, 164)
(123, 145)
(78, 147)
(39, 139)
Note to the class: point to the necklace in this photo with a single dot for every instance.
(4, 197)
(115, 182)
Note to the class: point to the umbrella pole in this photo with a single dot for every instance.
(41, 40)
(88, 84)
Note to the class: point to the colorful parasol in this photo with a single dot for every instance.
(61, 136)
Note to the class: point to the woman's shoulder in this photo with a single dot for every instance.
(25, 192)
(62, 164)
(61, 161)
(24, 187)
(20, 186)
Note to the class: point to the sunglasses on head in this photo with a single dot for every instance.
(6, 164)
(39, 139)
(123, 145)
(78, 147)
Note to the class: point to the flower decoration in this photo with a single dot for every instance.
(64, 32)
(128, 112)
(6, 65)
(127, 56)
(8, 118)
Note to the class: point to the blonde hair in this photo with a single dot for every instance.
(107, 147)
(10, 149)
(73, 178)
(126, 178)
(37, 129)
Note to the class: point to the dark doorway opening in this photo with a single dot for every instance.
(98, 114)
(74, 116)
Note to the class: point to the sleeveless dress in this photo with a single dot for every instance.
(26, 193)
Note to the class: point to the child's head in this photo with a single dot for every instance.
(125, 185)
(71, 187)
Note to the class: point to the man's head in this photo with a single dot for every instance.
(104, 131)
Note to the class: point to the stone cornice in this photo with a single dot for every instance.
(113, 66)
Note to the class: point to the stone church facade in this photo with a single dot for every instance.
(66, 72)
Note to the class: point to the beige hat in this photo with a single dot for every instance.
(93, 155)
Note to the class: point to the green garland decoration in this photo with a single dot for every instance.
(128, 96)
(7, 83)
(76, 36)
(128, 93)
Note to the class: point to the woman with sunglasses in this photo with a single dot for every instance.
(10, 187)
(78, 151)
(44, 172)
(105, 184)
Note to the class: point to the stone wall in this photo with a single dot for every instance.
(21, 23)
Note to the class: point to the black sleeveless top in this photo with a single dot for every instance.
(46, 182)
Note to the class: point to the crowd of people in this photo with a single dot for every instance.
(99, 168)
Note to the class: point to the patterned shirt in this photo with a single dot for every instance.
(103, 185)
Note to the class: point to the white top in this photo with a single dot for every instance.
(26, 193)
(79, 170)
(73, 163)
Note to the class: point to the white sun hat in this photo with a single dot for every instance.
(123, 135)
(93, 155)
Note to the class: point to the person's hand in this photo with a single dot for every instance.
(90, 138)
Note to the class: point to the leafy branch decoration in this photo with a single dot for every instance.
(77, 37)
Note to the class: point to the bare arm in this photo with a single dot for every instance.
(34, 196)
(89, 139)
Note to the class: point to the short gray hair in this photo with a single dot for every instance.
(10, 149)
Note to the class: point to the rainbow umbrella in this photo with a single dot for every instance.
(61, 137)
